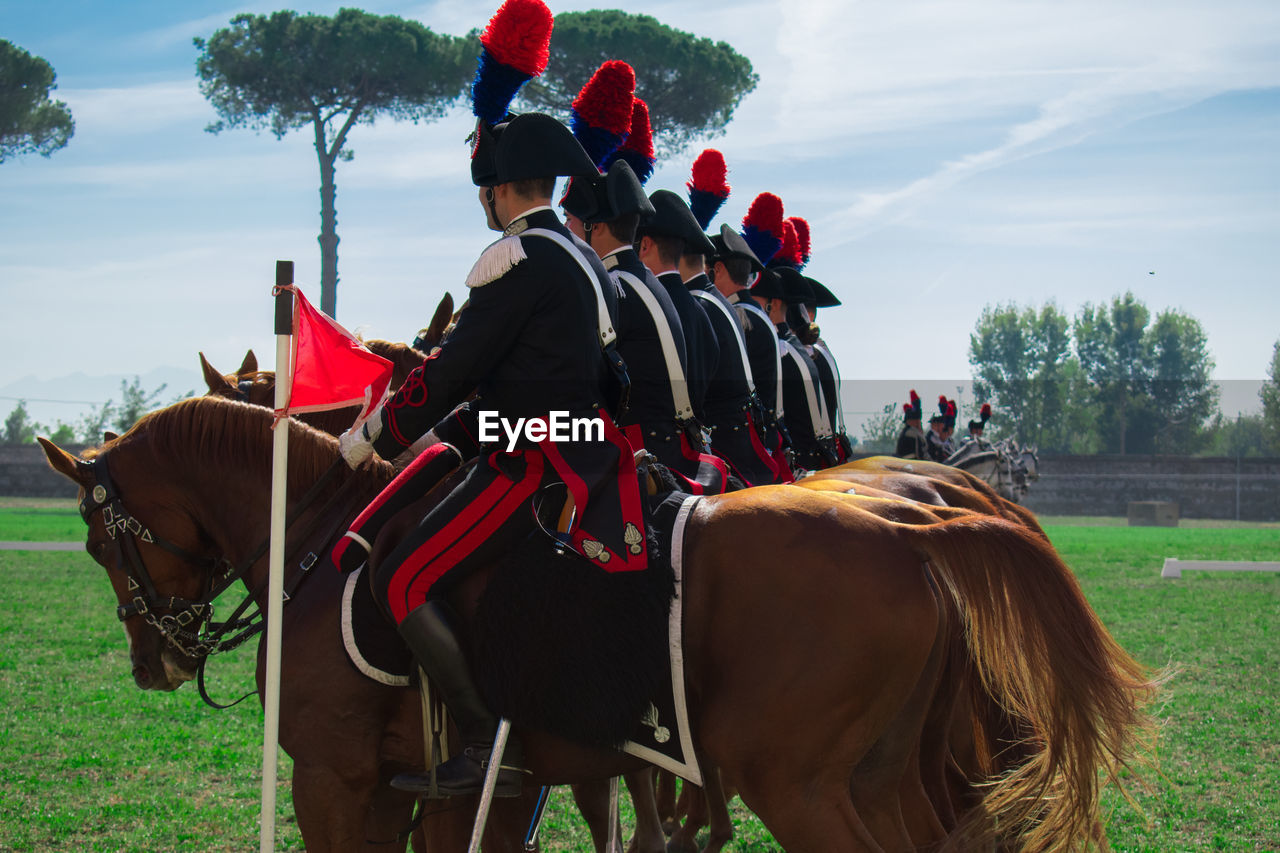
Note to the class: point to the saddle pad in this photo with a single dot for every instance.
(372, 644)
(663, 737)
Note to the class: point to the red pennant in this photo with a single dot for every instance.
(331, 368)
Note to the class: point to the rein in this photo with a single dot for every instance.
(188, 625)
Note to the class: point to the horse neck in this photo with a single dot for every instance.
(236, 514)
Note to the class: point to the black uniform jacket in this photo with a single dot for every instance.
(728, 391)
(651, 401)
(700, 340)
(528, 341)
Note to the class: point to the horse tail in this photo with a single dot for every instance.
(1049, 674)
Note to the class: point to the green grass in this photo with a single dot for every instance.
(89, 762)
(51, 520)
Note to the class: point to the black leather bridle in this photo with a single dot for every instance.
(188, 625)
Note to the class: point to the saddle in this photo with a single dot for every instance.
(558, 645)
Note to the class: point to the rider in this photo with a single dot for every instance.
(535, 338)
(911, 441)
(808, 424)
(935, 438)
(733, 267)
(604, 211)
(976, 427)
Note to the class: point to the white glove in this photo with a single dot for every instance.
(356, 444)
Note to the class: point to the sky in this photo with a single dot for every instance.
(948, 156)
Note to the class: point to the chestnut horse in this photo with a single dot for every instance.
(826, 646)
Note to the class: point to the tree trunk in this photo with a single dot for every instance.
(328, 238)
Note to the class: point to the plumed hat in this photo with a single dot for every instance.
(913, 411)
(768, 286)
(795, 287)
(531, 145)
(788, 254)
(515, 48)
(941, 416)
(822, 297)
(607, 197)
(637, 148)
(708, 186)
(671, 217)
(983, 416)
(804, 238)
(729, 244)
(762, 226)
(601, 114)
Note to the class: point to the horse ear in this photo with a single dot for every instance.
(74, 469)
(217, 383)
(109, 436)
(249, 365)
(441, 319)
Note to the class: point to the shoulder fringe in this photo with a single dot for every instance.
(496, 261)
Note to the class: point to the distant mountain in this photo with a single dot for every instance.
(67, 398)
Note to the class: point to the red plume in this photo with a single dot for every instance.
(710, 174)
(802, 234)
(906, 408)
(942, 403)
(790, 251)
(640, 138)
(519, 35)
(915, 398)
(606, 101)
(986, 412)
(765, 214)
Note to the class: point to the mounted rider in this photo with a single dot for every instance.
(535, 338)
(912, 443)
(976, 428)
(807, 420)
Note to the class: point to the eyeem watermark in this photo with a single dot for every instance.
(556, 426)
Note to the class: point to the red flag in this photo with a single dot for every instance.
(331, 368)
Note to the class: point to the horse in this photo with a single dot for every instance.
(825, 646)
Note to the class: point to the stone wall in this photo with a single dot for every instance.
(25, 472)
(1203, 487)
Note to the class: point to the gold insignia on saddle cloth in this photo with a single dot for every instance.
(595, 550)
(633, 537)
(661, 733)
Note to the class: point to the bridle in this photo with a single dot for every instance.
(188, 625)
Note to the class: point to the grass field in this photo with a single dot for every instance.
(88, 762)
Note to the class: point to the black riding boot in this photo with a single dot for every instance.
(429, 631)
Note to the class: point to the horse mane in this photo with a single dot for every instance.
(237, 436)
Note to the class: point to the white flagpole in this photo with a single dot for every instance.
(275, 584)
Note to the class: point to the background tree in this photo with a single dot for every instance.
(18, 426)
(1179, 385)
(1243, 435)
(1109, 345)
(30, 123)
(880, 431)
(94, 423)
(692, 85)
(1023, 367)
(286, 71)
(1270, 394)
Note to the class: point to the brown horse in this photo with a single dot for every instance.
(822, 643)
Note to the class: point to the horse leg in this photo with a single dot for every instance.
(666, 801)
(808, 815)
(717, 802)
(694, 800)
(648, 837)
(592, 799)
(341, 811)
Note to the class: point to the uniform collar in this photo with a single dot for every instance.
(613, 259)
(699, 281)
(520, 223)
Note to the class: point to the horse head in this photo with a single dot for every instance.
(153, 574)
